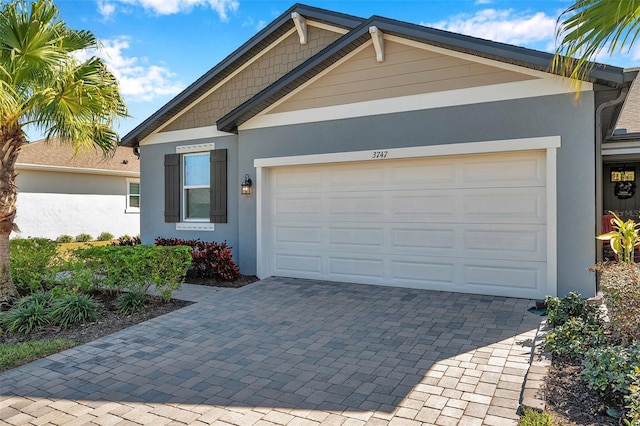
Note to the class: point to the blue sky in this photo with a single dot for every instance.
(158, 47)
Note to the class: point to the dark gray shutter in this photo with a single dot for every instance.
(172, 188)
(218, 200)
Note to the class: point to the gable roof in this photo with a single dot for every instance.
(235, 60)
(358, 34)
(42, 155)
(630, 115)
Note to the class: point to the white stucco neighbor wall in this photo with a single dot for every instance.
(51, 204)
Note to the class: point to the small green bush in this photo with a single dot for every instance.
(531, 417)
(620, 284)
(560, 310)
(73, 308)
(574, 338)
(83, 238)
(62, 239)
(130, 302)
(30, 314)
(609, 369)
(105, 236)
(33, 263)
(134, 268)
(633, 399)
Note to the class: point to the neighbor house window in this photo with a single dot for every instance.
(195, 187)
(133, 196)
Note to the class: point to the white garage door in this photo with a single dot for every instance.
(468, 223)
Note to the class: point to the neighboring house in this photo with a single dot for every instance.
(62, 194)
(383, 152)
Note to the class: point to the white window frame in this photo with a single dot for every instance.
(129, 208)
(192, 224)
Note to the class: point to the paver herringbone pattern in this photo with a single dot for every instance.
(294, 352)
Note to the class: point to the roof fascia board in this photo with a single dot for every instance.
(324, 16)
(67, 169)
(456, 41)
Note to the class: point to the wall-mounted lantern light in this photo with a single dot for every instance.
(246, 186)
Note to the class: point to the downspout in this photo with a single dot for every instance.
(598, 168)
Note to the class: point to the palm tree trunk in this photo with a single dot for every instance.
(11, 140)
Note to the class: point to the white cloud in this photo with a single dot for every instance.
(506, 26)
(484, 1)
(171, 7)
(261, 25)
(106, 9)
(138, 80)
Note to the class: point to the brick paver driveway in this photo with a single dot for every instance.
(295, 352)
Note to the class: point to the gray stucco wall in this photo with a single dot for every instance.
(543, 116)
(523, 118)
(152, 223)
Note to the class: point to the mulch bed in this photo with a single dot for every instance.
(111, 320)
(570, 401)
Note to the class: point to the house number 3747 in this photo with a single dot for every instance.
(380, 154)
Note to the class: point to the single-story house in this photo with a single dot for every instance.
(383, 152)
(63, 194)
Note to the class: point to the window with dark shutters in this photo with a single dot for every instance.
(174, 191)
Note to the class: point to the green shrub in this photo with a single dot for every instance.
(609, 369)
(130, 302)
(33, 263)
(135, 268)
(73, 308)
(64, 239)
(208, 259)
(531, 417)
(620, 284)
(83, 238)
(30, 314)
(560, 310)
(633, 399)
(105, 236)
(574, 338)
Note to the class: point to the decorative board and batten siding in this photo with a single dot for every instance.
(268, 68)
(470, 223)
(406, 70)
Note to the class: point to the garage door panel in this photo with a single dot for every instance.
(422, 271)
(298, 235)
(356, 237)
(291, 207)
(356, 205)
(428, 205)
(293, 263)
(524, 243)
(489, 171)
(413, 174)
(521, 205)
(504, 275)
(353, 266)
(421, 238)
(299, 180)
(363, 177)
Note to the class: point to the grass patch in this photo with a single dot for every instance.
(15, 354)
